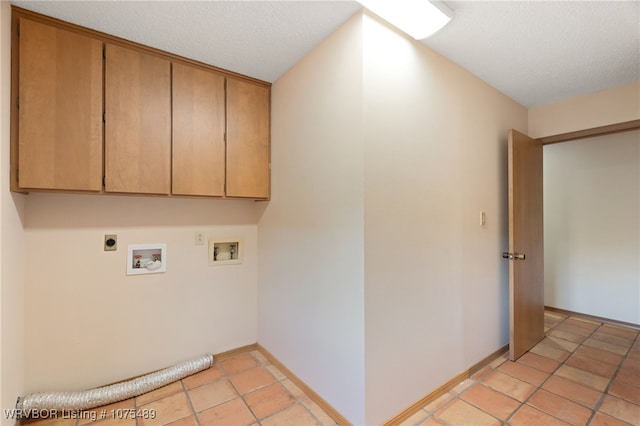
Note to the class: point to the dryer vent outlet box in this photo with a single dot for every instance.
(226, 252)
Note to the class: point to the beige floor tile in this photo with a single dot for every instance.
(212, 394)
(417, 419)
(582, 377)
(509, 385)
(599, 355)
(559, 343)
(601, 419)
(159, 393)
(574, 329)
(238, 363)
(571, 337)
(614, 340)
(573, 391)
(260, 358)
(591, 365)
(207, 376)
(269, 400)
(439, 402)
(529, 416)
(250, 380)
(524, 372)
(539, 362)
(167, 410)
(462, 386)
(495, 403)
(627, 376)
(323, 418)
(631, 364)
(296, 415)
(621, 409)
(234, 413)
(560, 408)
(550, 352)
(279, 375)
(295, 390)
(432, 421)
(615, 330)
(459, 412)
(625, 391)
(594, 343)
(187, 421)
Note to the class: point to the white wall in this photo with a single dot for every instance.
(592, 241)
(12, 252)
(311, 276)
(436, 287)
(96, 325)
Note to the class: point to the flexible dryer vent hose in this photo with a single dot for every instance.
(84, 400)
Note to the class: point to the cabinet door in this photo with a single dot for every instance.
(248, 152)
(60, 109)
(198, 132)
(138, 122)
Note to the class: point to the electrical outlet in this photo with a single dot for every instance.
(199, 238)
(110, 242)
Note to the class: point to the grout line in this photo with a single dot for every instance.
(193, 409)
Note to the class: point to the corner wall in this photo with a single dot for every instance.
(310, 248)
(436, 287)
(12, 246)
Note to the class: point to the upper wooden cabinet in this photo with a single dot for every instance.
(198, 132)
(92, 112)
(60, 109)
(248, 152)
(137, 122)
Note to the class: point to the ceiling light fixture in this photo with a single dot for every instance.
(418, 18)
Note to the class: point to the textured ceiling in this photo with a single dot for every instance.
(534, 51)
(543, 51)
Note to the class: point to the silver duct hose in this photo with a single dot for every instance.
(84, 400)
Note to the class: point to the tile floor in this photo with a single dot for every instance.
(582, 373)
(243, 390)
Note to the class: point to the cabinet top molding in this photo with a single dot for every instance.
(18, 12)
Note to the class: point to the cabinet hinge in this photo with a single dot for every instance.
(104, 180)
(18, 102)
(104, 51)
(104, 117)
(17, 175)
(18, 30)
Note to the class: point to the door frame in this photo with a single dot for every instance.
(619, 127)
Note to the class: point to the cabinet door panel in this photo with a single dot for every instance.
(248, 152)
(138, 122)
(60, 112)
(198, 166)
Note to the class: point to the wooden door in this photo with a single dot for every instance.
(60, 109)
(526, 251)
(137, 122)
(198, 155)
(248, 152)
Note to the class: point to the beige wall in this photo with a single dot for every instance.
(311, 276)
(12, 252)
(610, 106)
(384, 154)
(436, 288)
(96, 325)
